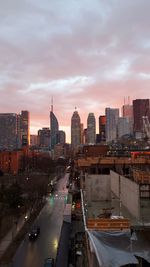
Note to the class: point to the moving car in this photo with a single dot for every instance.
(49, 262)
(34, 232)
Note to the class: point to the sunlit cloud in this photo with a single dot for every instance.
(63, 84)
(88, 54)
(145, 76)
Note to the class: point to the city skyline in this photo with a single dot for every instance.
(88, 55)
(124, 119)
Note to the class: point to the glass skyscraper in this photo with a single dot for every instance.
(54, 128)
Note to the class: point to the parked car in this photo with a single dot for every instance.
(49, 262)
(34, 232)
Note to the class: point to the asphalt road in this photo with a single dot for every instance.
(33, 253)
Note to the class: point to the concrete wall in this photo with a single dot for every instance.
(129, 193)
(114, 183)
(97, 187)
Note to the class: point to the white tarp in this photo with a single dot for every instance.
(114, 249)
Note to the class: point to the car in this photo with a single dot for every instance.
(49, 262)
(34, 232)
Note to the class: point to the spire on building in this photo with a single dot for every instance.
(52, 104)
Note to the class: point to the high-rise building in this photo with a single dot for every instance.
(91, 129)
(127, 112)
(85, 136)
(102, 128)
(123, 127)
(44, 138)
(8, 131)
(82, 133)
(24, 128)
(54, 128)
(141, 107)
(75, 129)
(33, 140)
(112, 115)
(61, 137)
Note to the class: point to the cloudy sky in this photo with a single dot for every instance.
(85, 54)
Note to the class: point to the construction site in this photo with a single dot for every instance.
(116, 209)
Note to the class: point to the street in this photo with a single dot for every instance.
(33, 253)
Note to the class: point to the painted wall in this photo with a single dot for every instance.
(129, 193)
(97, 187)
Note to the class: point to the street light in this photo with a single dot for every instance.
(26, 217)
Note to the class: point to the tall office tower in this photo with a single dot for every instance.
(54, 128)
(141, 107)
(127, 112)
(61, 137)
(112, 115)
(123, 127)
(75, 129)
(33, 140)
(82, 133)
(8, 131)
(19, 144)
(102, 128)
(44, 137)
(25, 128)
(91, 129)
(85, 136)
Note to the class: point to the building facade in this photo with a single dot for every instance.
(112, 115)
(8, 131)
(141, 107)
(75, 129)
(44, 138)
(33, 140)
(25, 128)
(91, 129)
(102, 128)
(61, 137)
(127, 112)
(54, 128)
(123, 127)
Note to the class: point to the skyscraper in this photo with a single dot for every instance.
(141, 107)
(91, 129)
(102, 128)
(112, 115)
(123, 127)
(44, 137)
(82, 133)
(61, 137)
(54, 128)
(127, 112)
(8, 131)
(75, 129)
(25, 128)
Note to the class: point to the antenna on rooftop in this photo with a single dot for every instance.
(52, 104)
(128, 100)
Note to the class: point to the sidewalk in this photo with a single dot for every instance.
(9, 237)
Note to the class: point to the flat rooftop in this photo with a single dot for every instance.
(98, 209)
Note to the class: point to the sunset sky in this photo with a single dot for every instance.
(87, 54)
